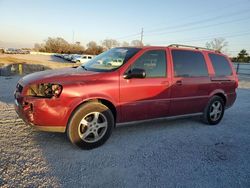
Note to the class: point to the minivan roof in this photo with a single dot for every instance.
(180, 46)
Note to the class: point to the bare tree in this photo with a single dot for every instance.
(136, 43)
(93, 48)
(110, 43)
(56, 45)
(125, 44)
(217, 44)
(76, 49)
(37, 47)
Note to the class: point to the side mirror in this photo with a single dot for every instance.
(135, 73)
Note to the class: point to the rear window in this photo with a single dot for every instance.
(221, 65)
(189, 64)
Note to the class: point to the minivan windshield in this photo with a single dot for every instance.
(110, 60)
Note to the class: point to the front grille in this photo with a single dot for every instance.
(19, 88)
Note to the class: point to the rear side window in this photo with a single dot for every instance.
(189, 64)
(220, 64)
(153, 62)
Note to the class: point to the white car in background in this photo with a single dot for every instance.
(66, 56)
(76, 58)
(115, 62)
(82, 59)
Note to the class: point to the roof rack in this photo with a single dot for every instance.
(194, 47)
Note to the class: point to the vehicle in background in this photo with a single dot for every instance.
(58, 55)
(83, 59)
(16, 51)
(115, 62)
(10, 51)
(66, 57)
(76, 58)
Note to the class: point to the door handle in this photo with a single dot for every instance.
(178, 82)
(165, 83)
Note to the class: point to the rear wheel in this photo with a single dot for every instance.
(91, 125)
(214, 111)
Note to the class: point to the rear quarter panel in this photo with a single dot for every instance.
(225, 85)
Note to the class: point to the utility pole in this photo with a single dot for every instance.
(73, 36)
(141, 35)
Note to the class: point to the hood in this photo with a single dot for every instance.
(58, 75)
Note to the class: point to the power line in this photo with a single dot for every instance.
(202, 27)
(141, 36)
(129, 36)
(208, 37)
(199, 21)
(188, 24)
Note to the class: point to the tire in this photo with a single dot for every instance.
(214, 111)
(90, 125)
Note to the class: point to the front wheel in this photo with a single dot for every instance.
(90, 126)
(214, 111)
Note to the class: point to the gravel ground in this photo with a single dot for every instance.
(173, 153)
(36, 57)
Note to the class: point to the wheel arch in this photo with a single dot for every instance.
(103, 101)
(221, 94)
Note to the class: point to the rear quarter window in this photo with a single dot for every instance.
(221, 65)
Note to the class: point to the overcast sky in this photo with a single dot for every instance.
(194, 22)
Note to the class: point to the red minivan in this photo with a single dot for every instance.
(127, 84)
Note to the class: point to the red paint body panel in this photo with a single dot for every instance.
(144, 99)
(134, 99)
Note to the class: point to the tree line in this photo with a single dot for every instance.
(60, 45)
(220, 44)
(242, 56)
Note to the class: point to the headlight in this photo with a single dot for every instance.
(46, 90)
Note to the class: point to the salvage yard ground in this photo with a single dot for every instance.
(45, 60)
(165, 153)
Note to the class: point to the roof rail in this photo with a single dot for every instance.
(194, 47)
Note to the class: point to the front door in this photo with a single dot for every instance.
(149, 97)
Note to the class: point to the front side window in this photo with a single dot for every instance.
(189, 63)
(153, 62)
(221, 65)
(111, 59)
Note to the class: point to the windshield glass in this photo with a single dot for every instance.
(110, 60)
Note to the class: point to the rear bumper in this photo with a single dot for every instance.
(231, 98)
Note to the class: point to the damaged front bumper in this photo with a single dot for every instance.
(39, 114)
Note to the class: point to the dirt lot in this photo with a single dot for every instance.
(173, 153)
(48, 61)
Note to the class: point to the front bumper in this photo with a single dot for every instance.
(29, 112)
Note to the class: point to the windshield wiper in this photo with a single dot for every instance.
(84, 68)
